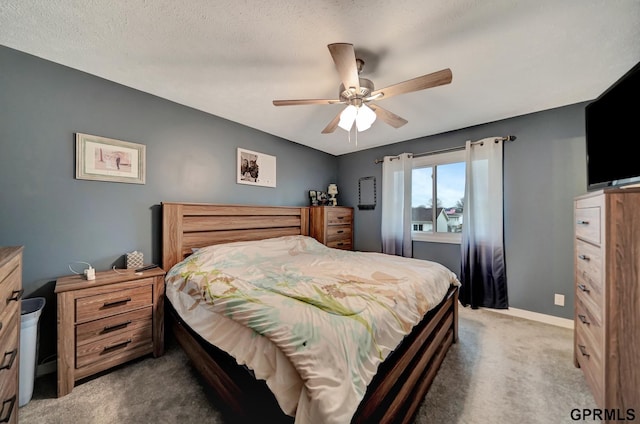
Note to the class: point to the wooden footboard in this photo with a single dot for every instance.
(403, 379)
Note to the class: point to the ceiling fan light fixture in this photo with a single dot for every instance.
(362, 115)
(365, 118)
(347, 117)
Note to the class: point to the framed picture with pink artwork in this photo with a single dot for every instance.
(105, 159)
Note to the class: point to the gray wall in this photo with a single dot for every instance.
(544, 169)
(191, 156)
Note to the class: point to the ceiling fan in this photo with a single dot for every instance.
(359, 93)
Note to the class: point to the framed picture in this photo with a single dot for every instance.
(105, 159)
(256, 168)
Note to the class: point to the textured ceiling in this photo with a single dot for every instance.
(231, 58)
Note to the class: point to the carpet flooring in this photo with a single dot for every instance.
(503, 370)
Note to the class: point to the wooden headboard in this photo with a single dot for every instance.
(189, 225)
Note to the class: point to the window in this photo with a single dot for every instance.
(437, 196)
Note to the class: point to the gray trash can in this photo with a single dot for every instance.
(29, 320)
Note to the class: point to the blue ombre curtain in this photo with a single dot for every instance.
(483, 273)
(396, 205)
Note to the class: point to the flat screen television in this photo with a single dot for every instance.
(613, 134)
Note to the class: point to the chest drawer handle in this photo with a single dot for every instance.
(582, 222)
(340, 231)
(11, 402)
(116, 346)
(583, 288)
(583, 350)
(583, 319)
(110, 328)
(0, 325)
(12, 357)
(584, 258)
(116, 303)
(15, 295)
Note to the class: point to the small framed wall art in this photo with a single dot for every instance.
(256, 168)
(105, 159)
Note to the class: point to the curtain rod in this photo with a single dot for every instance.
(451, 149)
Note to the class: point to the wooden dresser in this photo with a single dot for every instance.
(607, 300)
(105, 322)
(332, 226)
(10, 294)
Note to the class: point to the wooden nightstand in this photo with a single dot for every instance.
(105, 322)
(332, 226)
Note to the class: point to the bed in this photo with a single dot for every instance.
(387, 389)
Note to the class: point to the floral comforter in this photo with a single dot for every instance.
(333, 316)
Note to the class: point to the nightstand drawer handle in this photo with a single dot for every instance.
(583, 288)
(109, 328)
(583, 350)
(582, 222)
(584, 257)
(584, 319)
(341, 217)
(0, 325)
(5, 417)
(340, 231)
(12, 357)
(116, 303)
(16, 295)
(116, 346)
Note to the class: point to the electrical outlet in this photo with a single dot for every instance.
(558, 299)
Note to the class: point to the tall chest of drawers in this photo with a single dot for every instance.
(10, 295)
(332, 226)
(105, 322)
(607, 298)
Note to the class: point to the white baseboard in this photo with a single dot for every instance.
(536, 316)
(46, 368)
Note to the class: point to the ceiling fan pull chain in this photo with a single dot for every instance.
(356, 134)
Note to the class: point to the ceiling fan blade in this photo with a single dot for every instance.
(331, 127)
(344, 56)
(389, 117)
(306, 102)
(420, 83)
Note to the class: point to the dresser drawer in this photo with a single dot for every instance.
(9, 347)
(339, 233)
(588, 224)
(589, 271)
(590, 360)
(10, 291)
(591, 321)
(104, 305)
(105, 348)
(8, 400)
(93, 331)
(9, 267)
(340, 244)
(339, 217)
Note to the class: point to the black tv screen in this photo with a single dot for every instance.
(613, 134)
